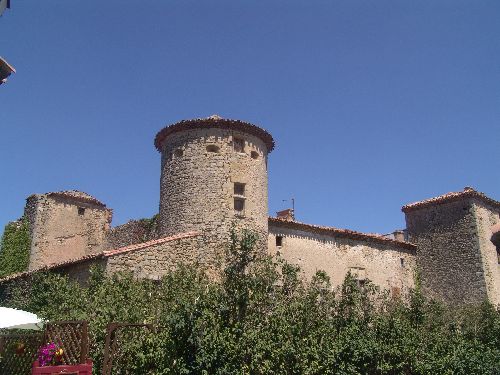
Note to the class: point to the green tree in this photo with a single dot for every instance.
(15, 248)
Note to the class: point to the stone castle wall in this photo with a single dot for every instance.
(199, 170)
(448, 257)
(155, 260)
(62, 229)
(132, 232)
(486, 217)
(390, 266)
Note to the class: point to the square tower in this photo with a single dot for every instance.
(456, 259)
(65, 225)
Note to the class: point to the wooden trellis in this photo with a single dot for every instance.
(72, 336)
(18, 351)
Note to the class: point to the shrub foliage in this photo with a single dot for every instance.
(15, 248)
(261, 318)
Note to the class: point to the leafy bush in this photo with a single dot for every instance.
(15, 248)
(261, 318)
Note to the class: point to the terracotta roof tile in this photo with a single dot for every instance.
(52, 266)
(451, 197)
(344, 233)
(72, 194)
(214, 121)
(77, 195)
(143, 245)
(102, 255)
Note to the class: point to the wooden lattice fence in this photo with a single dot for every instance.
(18, 351)
(72, 336)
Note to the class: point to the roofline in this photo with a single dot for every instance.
(215, 122)
(451, 197)
(103, 255)
(64, 194)
(12, 69)
(343, 233)
(146, 244)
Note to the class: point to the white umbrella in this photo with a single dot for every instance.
(12, 318)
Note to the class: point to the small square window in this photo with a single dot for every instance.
(239, 189)
(239, 144)
(178, 153)
(81, 211)
(279, 241)
(239, 206)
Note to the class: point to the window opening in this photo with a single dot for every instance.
(213, 148)
(81, 211)
(239, 206)
(239, 189)
(254, 155)
(239, 198)
(239, 144)
(361, 283)
(279, 241)
(402, 260)
(178, 153)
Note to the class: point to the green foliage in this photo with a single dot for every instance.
(261, 318)
(15, 248)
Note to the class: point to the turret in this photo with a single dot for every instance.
(213, 176)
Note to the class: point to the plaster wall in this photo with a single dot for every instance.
(388, 266)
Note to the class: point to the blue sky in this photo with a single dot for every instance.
(373, 104)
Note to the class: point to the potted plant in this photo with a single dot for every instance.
(51, 361)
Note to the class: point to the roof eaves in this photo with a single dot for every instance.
(147, 244)
(451, 197)
(215, 122)
(345, 233)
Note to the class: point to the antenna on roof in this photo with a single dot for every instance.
(293, 203)
(288, 214)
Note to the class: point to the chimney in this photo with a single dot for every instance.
(399, 235)
(287, 214)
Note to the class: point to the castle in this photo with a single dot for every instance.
(214, 178)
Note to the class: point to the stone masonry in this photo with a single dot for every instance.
(65, 225)
(456, 260)
(214, 178)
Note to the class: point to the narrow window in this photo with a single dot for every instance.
(279, 241)
(212, 148)
(239, 189)
(81, 211)
(239, 198)
(239, 206)
(239, 145)
(254, 155)
(402, 260)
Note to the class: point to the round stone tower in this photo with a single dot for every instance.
(213, 176)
